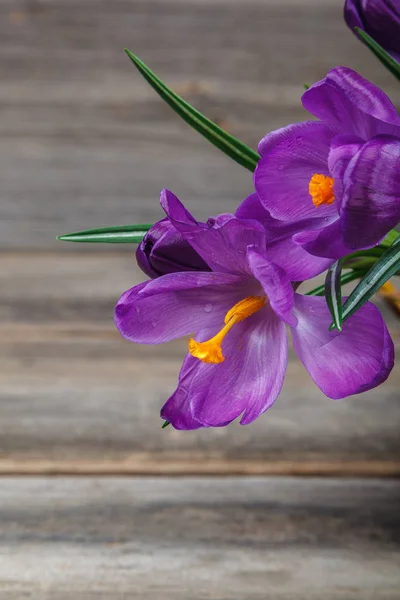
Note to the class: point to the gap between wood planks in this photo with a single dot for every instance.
(192, 466)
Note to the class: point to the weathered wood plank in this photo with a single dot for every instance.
(75, 396)
(85, 142)
(184, 539)
(98, 400)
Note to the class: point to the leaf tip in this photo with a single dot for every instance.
(165, 424)
(130, 55)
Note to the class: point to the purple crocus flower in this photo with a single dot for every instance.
(339, 177)
(379, 18)
(163, 250)
(238, 312)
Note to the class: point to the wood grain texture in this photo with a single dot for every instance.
(75, 396)
(194, 539)
(85, 142)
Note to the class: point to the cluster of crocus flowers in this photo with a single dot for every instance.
(322, 190)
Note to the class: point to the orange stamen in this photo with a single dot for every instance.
(321, 189)
(210, 351)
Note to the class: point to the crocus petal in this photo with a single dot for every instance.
(341, 364)
(289, 159)
(327, 242)
(298, 264)
(177, 304)
(252, 208)
(177, 409)
(222, 242)
(371, 198)
(347, 101)
(343, 148)
(296, 260)
(379, 18)
(249, 380)
(276, 284)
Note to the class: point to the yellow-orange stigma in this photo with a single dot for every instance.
(321, 189)
(210, 351)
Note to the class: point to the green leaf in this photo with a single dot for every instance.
(361, 263)
(120, 234)
(165, 424)
(231, 146)
(345, 278)
(380, 272)
(362, 259)
(377, 251)
(388, 61)
(333, 293)
(389, 239)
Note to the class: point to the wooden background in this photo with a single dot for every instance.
(85, 142)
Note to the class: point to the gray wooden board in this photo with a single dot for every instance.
(74, 393)
(85, 142)
(192, 539)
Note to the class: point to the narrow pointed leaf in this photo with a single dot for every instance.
(120, 234)
(363, 259)
(230, 145)
(165, 424)
(388, 61)
(375, 252)
(333, 293)
(345, 278)
(380, 272)
(361, 263)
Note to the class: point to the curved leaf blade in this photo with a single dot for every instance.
(345, 278)
(380, 273)
(223, 140)
(120, 234)
(388, 61)
(333, 293)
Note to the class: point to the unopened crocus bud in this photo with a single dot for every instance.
(163, 250)
(379, 18)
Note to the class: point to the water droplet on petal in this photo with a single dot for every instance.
(208, 308)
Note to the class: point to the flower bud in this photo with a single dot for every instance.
(163, 250)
